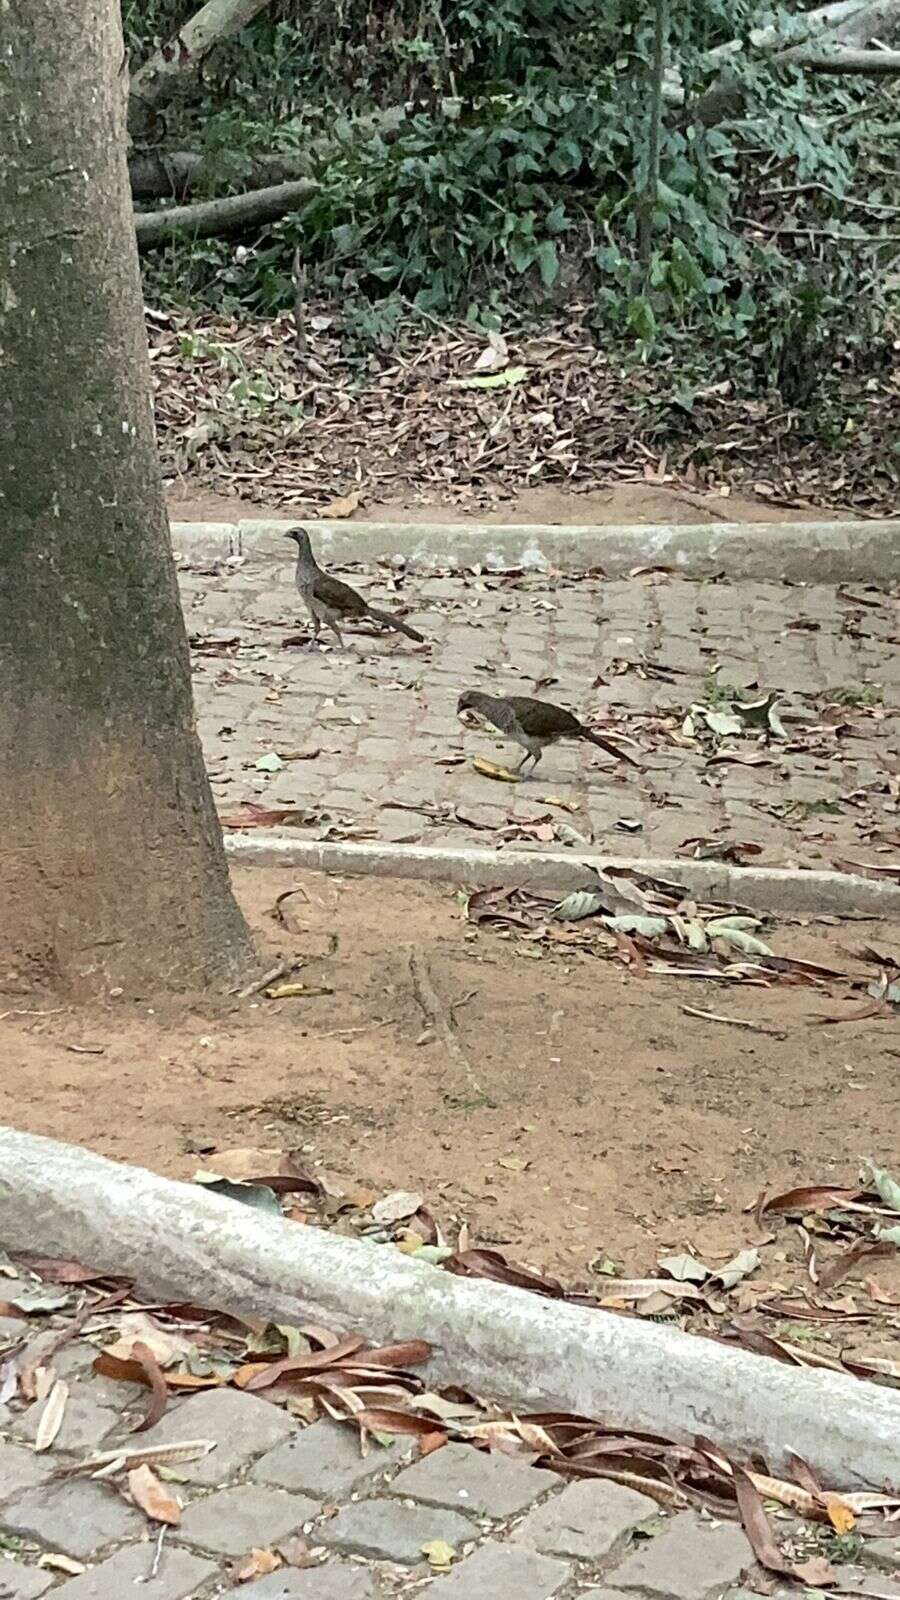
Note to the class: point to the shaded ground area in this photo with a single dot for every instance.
(239, 412)
(639, 502)
(365, 742)
(583, 1115)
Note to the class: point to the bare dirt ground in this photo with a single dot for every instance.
(582, 1115)
(620, 503)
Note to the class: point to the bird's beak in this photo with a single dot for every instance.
(468, 717)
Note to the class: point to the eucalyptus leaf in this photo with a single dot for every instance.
(492, 380)
(650, 927)
(255, 1195)
(888, 1235)
(269, 763)
(745, 942)
(888, 1188)
(583, 903)
(722, 723)
(740, 1266)
(684, 1268)
(747, 923)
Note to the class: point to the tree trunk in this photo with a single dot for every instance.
(111, 864)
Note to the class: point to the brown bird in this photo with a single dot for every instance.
(533, 724)
(330, 601)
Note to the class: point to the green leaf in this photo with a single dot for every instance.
(548, 262)
(650, 927)
(641, 319)
(888, 1188)
(255, 1195)
(745, 942)
(269, 763)
(493, 380)
(684, 1268)
(583, 903)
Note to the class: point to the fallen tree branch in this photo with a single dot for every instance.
(872, 63)
(176, 61)
(232, 214)
(837, 37)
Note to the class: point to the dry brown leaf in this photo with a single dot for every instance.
(258, 1564)
(817, 1572)
(51, 1419)
(839, 1513)
(124, 1460)
(344, 506)
(153, 1498)
(155, 1377)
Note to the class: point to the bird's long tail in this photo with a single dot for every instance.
(395, 622)
(610, 748)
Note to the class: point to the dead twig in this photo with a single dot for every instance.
(439, 1017)
(734, 1022)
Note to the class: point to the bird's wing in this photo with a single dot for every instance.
(540, 719)
(338, 596)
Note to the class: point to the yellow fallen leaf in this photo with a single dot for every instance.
(344, 506)
(286, 991)
(557, 800)
(514, 1163)
(60, 1563)
(489, 769)
(439, 1554)
(839, 1514)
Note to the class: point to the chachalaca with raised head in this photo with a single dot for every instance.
(331, 601)
(533, 724)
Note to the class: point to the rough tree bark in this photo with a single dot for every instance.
(111, 862)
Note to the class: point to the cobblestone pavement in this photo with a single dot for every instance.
(381, 715)
(515, 1532)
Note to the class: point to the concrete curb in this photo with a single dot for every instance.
(61, 1201)
(804, 552)
(778, 889)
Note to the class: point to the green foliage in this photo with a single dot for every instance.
(517, 173)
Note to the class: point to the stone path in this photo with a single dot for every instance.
(365, 734)
(515, 1532)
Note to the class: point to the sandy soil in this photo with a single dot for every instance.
(622, 503)
(592, 1115)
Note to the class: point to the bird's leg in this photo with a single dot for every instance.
(526, 757)
(336, 631)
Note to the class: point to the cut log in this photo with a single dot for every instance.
(233, 214)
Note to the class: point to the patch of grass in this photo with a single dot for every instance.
(716, 693)
(858, 695)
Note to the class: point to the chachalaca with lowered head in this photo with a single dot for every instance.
(533, 724)
(330, 601)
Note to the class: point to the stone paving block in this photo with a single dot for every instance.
(688, 1561)
(391, 1531)
(246, 1517)
(336, 1580)
(76, 1517)
(498, 1570)
(470, 1480)
(242, 1425)
(85, 1421)
(586, 1520)
(325, 1460)
(180, 1575)
(21, 1469)
(22, 1583)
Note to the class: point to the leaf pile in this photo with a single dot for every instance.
(238, 411)
(311, 1371)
